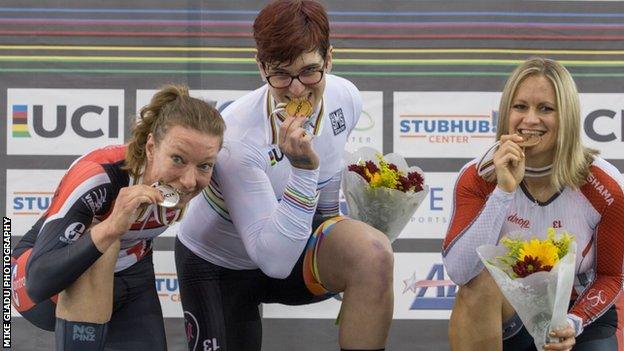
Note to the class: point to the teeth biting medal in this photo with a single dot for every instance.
(529, 139)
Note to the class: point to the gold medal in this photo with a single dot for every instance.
(299, 108)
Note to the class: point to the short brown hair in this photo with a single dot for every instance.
(286, 29)
(170, 106)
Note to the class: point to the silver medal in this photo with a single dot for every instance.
(170, 195)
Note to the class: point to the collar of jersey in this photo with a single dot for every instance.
(313, 125)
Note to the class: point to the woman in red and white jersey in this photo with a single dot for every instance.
(537, 176)
(85, 268)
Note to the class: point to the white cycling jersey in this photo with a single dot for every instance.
(258, 210)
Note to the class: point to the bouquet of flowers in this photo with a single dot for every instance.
(382, 191)
(536, 277)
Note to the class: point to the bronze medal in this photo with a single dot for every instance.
(529, 140)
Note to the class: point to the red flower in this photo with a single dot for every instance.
(529, 266)
(369, 170)
(359, 169)
(416, 180)
(372, 167)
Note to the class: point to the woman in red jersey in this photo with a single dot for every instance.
(85, 268)
(539, 176)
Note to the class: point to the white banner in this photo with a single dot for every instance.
(63, 121)
(602, 117)
(28, 195)
(434, 214)
(369, 130)
(463, 124)
(444, 124)
(167, 284)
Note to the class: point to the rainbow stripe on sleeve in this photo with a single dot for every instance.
(300, 201)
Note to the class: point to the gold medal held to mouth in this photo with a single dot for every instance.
(529, 140)
(299, 108)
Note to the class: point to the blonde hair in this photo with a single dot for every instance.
(170, 106)
(572, 159)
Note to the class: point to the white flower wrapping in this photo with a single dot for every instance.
(387, 210)
(540, 299)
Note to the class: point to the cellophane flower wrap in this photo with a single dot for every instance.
(536, 277)
(382, 191)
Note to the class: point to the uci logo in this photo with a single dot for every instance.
(275, 155)
(75, 119)
(598, 117)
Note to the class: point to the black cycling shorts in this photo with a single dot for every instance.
(221, 305)
(136, 322)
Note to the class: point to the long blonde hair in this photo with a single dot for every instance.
(170, 106)
(572, 159)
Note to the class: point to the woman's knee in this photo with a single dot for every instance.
(372, 258)
(479, 289)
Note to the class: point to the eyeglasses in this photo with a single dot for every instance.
(307, 77)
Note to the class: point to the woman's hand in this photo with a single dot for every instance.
(296, 144)
(509, 163)
(126, 204)
(566, 339)
(123, 214)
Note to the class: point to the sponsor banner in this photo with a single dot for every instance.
(28, 195)
(369, 130)
(426, 125)
(444, 124)
(602, 118)
(63, 121)
(421, 291)
(167, 284)
(434, 214)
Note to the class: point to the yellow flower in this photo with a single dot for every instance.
(545, 251)
(375, 181)
(563, 244)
